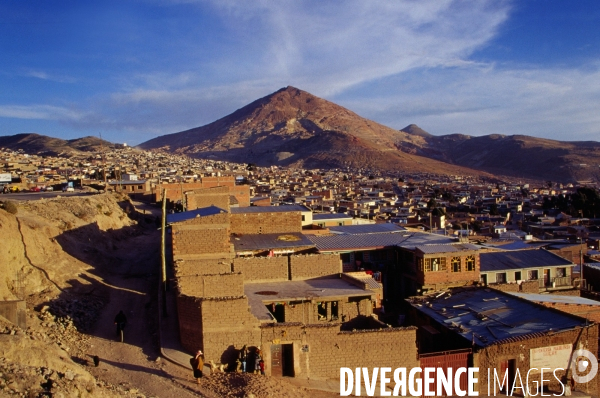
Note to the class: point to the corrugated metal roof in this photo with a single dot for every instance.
(554, 298)
(371, 241)
(187, 215)
(366, 229)
(519, 259)
(331, 216)
(270, 241)
(487, 316)
(269, 209)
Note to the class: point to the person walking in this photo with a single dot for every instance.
(197, 363)
(120, 321)
(244, 357)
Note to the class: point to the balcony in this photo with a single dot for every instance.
(556, 282)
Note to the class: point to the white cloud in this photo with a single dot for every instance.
(43, 112)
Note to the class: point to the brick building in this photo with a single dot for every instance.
(504, 333)
(247, 276)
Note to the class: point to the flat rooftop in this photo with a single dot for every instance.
(253, 242)
(368, 241)
(318, 289)
(520, 259)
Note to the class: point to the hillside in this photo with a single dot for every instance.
(44, 145)
(515, 155)
(294, 128)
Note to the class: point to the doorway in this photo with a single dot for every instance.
(282, 360)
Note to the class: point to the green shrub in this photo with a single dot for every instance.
(10, 207)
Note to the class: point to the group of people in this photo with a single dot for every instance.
(245, 358)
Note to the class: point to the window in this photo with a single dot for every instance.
(340, 223)
(322, 311)
(561, 272)
(532, 275)
(303, 217)
(501, 277)
(470, 263)
(517, 275)
(435, 264)
(455, 264)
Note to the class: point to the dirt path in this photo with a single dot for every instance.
(133, 364)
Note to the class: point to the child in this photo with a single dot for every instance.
(261, 364)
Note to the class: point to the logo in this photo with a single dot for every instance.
(581, 361)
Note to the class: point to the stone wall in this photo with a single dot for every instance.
(314, 265)
(258, 269)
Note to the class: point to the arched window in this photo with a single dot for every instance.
(470, 263)
(455, 264)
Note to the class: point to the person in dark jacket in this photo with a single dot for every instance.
(120, 321)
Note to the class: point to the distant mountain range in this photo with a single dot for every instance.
(294, 128)
(44, 145)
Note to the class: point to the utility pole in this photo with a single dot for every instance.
(162, 252)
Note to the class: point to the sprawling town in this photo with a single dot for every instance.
(290, 272)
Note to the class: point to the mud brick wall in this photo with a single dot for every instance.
(201, 235)
(227, 324)
(175, 191)
(519, 350)
(266, 223)
(202, 267)
(307, 312)
(314, 265)
(190, 323)
(206, 197)
(225, 181)
(321, 350)
(219, 285)
(242, 194)
(524, 287)
(262, 268)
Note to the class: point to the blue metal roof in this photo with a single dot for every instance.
(487, 316)
(554, 298)
(287, 240)
(268, 209)
(188, 215)
(519, 259)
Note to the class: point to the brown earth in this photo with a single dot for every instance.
(77, 261)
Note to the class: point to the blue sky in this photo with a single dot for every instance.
(133, 70)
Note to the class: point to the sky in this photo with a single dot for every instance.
(133, 70)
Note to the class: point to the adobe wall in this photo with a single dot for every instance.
(175, 191)
(190, 323)
(227, 325)
(199, 237)
(258, 269)
(202, 267)
(314, 265)
(242, 194)
(266, 223)
(307, 312)
(524, 287)
(205, 286)
(321, 350)
(519, 349)
(206, 197)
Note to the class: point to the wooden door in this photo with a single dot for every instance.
(276, 360)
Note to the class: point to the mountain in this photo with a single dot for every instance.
(515, 155)
(294, 128)
(44, 145)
